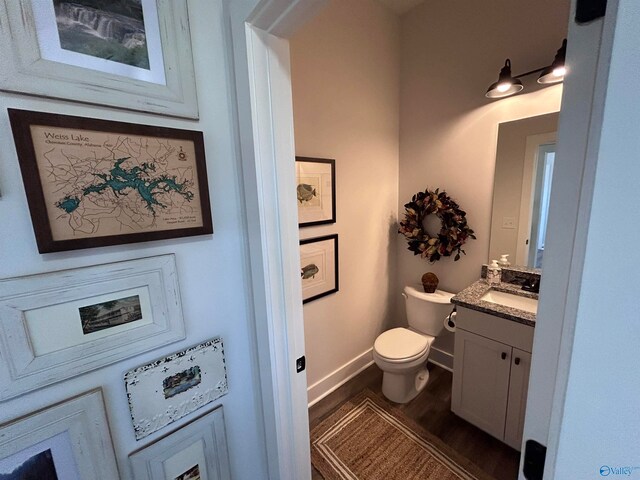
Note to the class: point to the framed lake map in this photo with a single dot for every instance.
(93, 183)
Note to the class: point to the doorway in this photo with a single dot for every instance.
(262, 166)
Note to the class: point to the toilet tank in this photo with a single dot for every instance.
(426, 311)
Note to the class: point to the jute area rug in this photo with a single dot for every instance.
(369, 439)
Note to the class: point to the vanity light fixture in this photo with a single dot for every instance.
(555, 72)
(508, 85)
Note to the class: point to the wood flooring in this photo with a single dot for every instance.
(431, 409)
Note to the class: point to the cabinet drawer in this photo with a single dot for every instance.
(500, 329)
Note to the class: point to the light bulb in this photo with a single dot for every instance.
(503, 87)
(559, 72)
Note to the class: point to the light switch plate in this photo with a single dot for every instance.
(509, 222)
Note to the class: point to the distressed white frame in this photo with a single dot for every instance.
(23, 370)
(23, 70)
(150, 410)
(148, 462)
(83, 419)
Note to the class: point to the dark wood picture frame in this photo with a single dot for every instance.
(332, 164)
(336, 282)
(21, 122)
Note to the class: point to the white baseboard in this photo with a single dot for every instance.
(339, 377)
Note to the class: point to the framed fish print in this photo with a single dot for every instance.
(197, 451)
(94, 183)
(316, 191)
(319, 267)
(133, 54)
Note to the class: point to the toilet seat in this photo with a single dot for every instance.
(401, 345)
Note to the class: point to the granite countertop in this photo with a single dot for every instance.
(470, 298)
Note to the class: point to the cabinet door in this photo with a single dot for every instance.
(518, 386)
(481, 381)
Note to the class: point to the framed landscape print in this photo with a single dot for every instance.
(319, 267)
(60, 324)
(133, 54)
(93, 183)
(68, 441)
(197, 451)
(166, 390)
(316, 191)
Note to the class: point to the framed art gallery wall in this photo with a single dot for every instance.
(360, 132)
(211, 269)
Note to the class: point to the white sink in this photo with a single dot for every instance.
(510, 300)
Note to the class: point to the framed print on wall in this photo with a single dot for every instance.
(167, 389)
(67, 441)
(133, 54)
(316, 191)
(93, 183)
(61, 324)
(197, 451)
(319, 267)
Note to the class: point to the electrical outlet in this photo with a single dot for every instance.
(509, 223)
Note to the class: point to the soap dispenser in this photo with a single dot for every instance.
(504, 260)
(494, 272)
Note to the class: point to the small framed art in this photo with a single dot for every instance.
(93, 183)
(319, 267)
(67, 441)
(133, 54)
(197, 451)
(316, 191)
(166, 390)
(60, 324)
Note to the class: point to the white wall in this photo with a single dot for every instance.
(212, 269)
(345, 79)
(448, 129)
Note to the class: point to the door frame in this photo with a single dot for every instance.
(257, 33)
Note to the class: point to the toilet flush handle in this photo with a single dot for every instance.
(404, 295)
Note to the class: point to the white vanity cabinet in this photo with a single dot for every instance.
(491, 363)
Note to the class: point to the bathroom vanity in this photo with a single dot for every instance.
(492, 357)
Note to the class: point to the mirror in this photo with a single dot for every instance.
(521, 190)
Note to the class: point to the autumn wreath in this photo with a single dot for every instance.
(453, 233)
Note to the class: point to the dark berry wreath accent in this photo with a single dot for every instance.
(452, 235)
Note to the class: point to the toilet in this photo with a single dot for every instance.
(401, 353)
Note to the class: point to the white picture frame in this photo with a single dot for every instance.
(172, 387)
(44, 337)
(75, 433)
(32, 61)
(200, 447)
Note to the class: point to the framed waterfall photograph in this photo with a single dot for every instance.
(319, 267)
(133, 54)
(92, 183)
(316, 191)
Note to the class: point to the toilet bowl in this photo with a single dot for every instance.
(402, 353)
